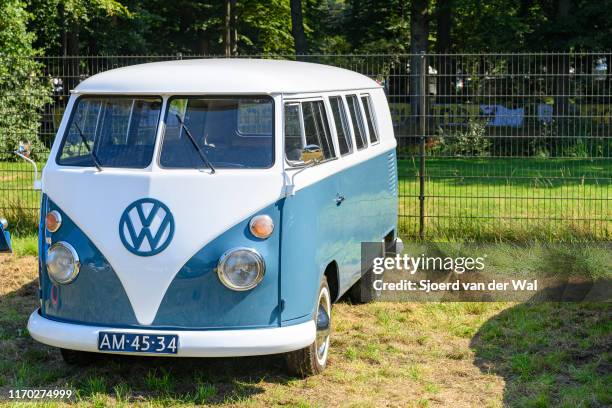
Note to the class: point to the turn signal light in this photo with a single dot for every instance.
(53, 221)
(261, 226)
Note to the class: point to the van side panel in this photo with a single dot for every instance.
(370, 210)
(311, 238)
(317, 231)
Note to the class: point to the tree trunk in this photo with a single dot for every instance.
(444, 13)
(227, 13)
(64, 31)
(73, 72)
(444, 63)
(204, 45)
(563, 7)
(234, 28)
(297, 27)
(561, 67)
(419, 33)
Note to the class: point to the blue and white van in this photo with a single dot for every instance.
(209, 208)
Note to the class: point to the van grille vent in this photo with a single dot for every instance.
(391, 165)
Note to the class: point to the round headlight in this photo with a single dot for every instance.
(241, 268)
(62, 263)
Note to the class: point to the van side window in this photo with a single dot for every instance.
(344, 138)
(357, 121)
(306, 124)
(369, 114)
(316, 127)
(293, 132)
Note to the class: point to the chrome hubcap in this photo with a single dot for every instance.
(323, 324)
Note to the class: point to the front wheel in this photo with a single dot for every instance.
(312, 360)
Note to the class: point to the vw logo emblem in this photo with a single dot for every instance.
(146, 227)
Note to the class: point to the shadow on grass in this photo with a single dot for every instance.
(549, 354)
(24, 363)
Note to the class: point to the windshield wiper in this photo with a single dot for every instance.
(94, 158)
(195, 145)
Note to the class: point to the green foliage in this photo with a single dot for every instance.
(22, 94)
(469, 141)
(332, 26)
(378, 26)
(506, 25)
(265, 28)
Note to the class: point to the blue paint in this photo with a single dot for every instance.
(137, 238)
(5, 240)
(316, 231)
(196, 297)
(96, 296)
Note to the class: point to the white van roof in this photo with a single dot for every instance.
(225, 76)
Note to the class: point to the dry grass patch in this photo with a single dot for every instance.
(383, 354)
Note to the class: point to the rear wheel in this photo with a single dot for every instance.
(363, 290)
(76, 357)
(312, 360)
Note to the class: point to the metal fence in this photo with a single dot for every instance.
(490, 146)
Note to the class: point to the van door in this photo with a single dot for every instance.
(348, 258)
(312, 234)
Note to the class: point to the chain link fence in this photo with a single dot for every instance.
(490, 146)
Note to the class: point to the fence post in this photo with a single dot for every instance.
(424, 67)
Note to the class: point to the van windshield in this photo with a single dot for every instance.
(111, 131)
(231, 132)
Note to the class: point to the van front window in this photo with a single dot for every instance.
(111, 131)
(230, 132)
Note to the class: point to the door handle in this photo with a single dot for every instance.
(339, 199)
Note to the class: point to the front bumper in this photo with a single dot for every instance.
(192, 343)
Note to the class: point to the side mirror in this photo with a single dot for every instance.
(24, 151)
(311, 154)
(5, 237)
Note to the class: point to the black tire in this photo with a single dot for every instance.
(77, 358)
(363, 290)
(310, 360)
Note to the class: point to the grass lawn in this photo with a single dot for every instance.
(383, 354)
(18, 201)
(519, 199)
(484, 199)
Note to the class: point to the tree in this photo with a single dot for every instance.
(444, 64)
(22, 95)
(444, 22)
(227, 28)
(234, 28)
(377, 26)
(419, 42)
(264, 28)
(323, 26)
(297, 27)
(562, 66)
